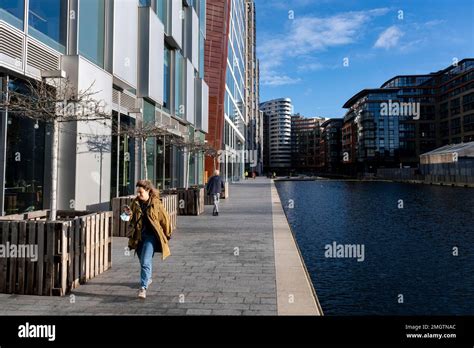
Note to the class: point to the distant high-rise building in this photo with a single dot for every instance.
(254, 146)
(410, 115)
(305, 143)
(277, 133)
(330, 154)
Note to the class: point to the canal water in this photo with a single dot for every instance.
(409, 236)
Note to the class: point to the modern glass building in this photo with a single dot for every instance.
(277, 134)
(330, 153)
(305, 143)
(410, 115)
(254, 138)
(232, 84)
(145, 60)
(455, 102)
(235, 103)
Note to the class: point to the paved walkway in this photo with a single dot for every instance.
(221, 265)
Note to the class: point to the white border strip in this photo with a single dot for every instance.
(295, 292)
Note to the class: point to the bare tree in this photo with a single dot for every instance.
(142, 132)
(210, 151)
(55, 101)
(191, 146)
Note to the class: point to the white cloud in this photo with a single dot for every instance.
(434, 22)
(275, 80)
(389, 37)
(308, 34)
(310, 67)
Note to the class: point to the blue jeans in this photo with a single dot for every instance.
(145, 252)
(216, 197)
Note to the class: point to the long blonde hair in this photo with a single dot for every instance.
(148, 186)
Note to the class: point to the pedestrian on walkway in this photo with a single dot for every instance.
(246, 175)
(149, 230)
(214, 187)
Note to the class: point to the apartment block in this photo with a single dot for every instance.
(144, 59)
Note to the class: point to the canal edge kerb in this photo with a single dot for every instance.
(310, 281)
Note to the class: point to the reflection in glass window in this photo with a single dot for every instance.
(179, 85)
(144, 3)
(202, 15)
(12, 11)
(25, 157)
(123, 159)
(201, 55)
(162, 12)
(47, 20)
(167, 79)
(149, 118)
(91, 30)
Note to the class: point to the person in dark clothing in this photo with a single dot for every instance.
(214, 187)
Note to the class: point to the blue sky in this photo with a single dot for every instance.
(302, 46)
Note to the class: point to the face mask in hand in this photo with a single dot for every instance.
(125, 217)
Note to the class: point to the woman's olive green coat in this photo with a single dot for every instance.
(159, 219)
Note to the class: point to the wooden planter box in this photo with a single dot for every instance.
(190, 201)
(208, 200)
(120, 228)
(70, 251)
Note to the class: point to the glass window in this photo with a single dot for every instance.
(12, 11)
(161, 10)
(192, 170)
(123, 159)
(179, 85)
(24, 165)
(47, 20)
(25, 158)
(201, 55)
(91, 30)
(149, 118)
(143, 3)
(202, 15)
(167, 79)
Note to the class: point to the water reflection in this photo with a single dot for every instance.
(408, 251)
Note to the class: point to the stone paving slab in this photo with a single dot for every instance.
(221, 265)
(225, 265)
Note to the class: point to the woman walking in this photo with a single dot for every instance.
(149, 230)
